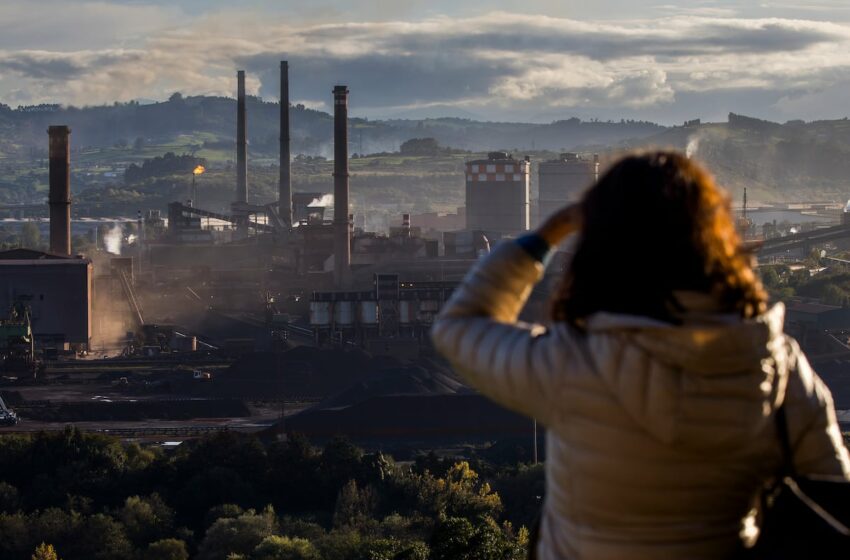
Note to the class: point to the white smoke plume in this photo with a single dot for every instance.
(112, 239)
(323, 202)
(693, 146)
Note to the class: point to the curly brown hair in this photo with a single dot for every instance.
(654, 224)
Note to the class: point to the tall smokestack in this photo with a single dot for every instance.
(285, 186)
(241, 140)
(59, 198)
(342, 234)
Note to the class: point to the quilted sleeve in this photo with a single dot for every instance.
(813, 428)
(510, 362)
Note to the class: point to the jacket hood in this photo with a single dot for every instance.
(707, 384)
(715, 347)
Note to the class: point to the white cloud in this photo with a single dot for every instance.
(80, 24)
(496, 61)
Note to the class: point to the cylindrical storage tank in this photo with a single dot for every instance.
(369, 312)
(429, 305)
(407, 311)
(428, 308)
(320, 313)
(344, 313)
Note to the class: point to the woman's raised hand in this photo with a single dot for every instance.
(559, 225)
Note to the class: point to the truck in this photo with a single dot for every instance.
(199, 375)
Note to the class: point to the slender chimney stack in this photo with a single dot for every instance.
(342, 234)
(241, 141)
(285, 186)
(59, 198)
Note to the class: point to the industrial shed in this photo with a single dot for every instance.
(58, 290)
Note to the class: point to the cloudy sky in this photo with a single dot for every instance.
(484, 59)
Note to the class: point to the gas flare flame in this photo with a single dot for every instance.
(198, 170)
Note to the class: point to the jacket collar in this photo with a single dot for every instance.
(700, 310)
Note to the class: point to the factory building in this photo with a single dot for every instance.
(497, 195)
(563, 180)
(56, 288)
(394, 317)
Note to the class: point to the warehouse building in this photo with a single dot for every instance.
(58, 291)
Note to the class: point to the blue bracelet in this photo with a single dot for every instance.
(536, 247)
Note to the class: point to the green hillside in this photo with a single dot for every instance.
(795, 161)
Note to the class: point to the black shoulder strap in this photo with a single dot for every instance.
(781, 418)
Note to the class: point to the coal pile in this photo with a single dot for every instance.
(11, 398)
(127, 411)
(412, 380)
(442, 417)
(412, 401)
(313, 373)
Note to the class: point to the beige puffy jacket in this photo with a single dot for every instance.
(658, 435)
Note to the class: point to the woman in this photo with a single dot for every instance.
(659, 377)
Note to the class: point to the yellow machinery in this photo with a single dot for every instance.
(17, 344)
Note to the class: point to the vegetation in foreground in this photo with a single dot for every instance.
(79, 496)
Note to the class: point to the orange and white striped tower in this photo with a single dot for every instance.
(497, 195)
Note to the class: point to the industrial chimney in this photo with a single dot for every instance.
(285, 186)
(59, 198)
(241, 141)
(342, 234)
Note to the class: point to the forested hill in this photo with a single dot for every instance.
(776, 162)
(791, 161)
(211, 120)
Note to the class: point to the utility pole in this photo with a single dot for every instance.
(279, 366)
(534, 420)
(140, 225)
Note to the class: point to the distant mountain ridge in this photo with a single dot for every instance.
(795, 160)
(312, 131)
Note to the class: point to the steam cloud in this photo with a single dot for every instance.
(112, 239)
(323, 202)
(693, 146)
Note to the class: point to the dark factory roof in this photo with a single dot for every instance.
(495, 159)
(22, 254)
